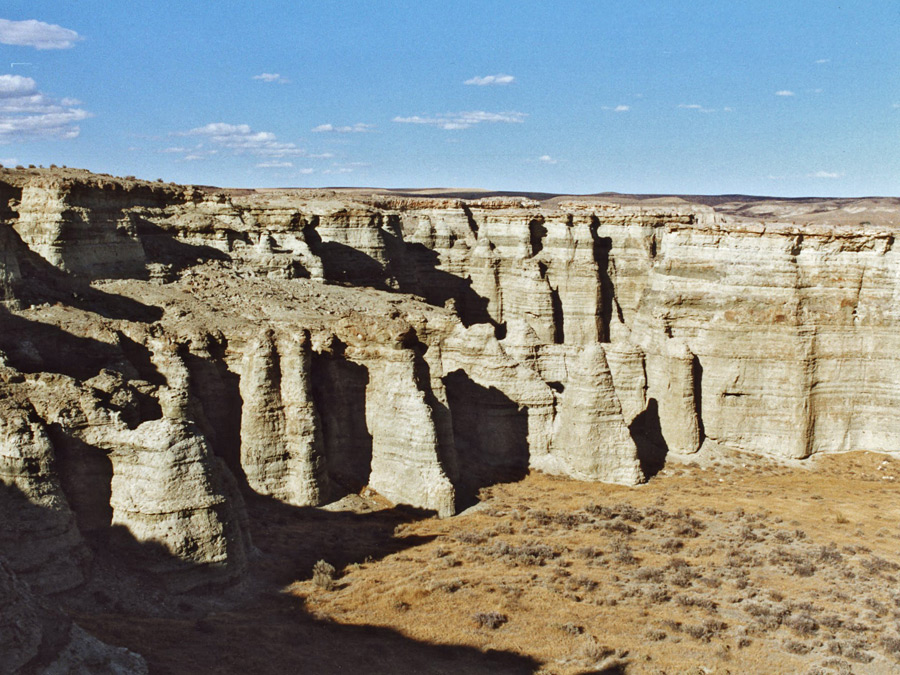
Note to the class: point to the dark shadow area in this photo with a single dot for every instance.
(162, 247)
(262, 629)
(602, 247)
(85, 473)
(339, 393)
(537, 232)
(32, 347)
(217, 390)
(42, 283)
(491, 435)
(275, 635)
(647, 435)
(617, 669)
(419, 274)
(559, 326)
(698, 396)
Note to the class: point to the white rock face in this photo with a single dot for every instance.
(406, 453)
(577, 336)
(282, 451)
(38, 536)
(84, 233)
(170, 492)
(593, 441)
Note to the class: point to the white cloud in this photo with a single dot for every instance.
(27, 113)
(825, 174)
(357, 128)
(306, 171)
(784, 92)
(274, 165)
(271, 77)
(37, 34)
(241, 139)
(490, 79)
(896, 105)
(695, 106)
(618, 108)
(464, 120)
(821, 61)
(547, 159)
(8, 161)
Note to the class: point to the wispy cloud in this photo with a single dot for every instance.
(8, 161)
(37, 34)
(697, 107)
(241, 139)
(784, 92)
(274, 165)
(547, 159)
(271, 77)
(618, 108)
(357, 128)
(490, 79)
(464, 120)
(825, 174)
(896, 105)
(821, 61)
(27, 113)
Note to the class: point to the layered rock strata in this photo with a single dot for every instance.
(173, 350)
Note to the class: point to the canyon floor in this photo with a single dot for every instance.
(732, 565)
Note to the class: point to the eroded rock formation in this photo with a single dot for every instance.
(167, 352)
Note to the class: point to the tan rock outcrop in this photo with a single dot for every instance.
(592, 441)
(282, 451)
(38, 536)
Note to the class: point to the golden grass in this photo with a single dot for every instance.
(735, 568)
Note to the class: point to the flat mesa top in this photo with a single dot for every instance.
(866, 212)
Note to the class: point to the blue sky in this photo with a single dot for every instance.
(790, 98)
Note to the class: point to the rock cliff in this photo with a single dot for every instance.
(167, 352)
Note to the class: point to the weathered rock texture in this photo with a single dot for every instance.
(35, 638)
(167, 351)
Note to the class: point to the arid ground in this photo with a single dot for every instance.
(729, 566)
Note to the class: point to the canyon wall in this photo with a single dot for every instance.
(167, 353)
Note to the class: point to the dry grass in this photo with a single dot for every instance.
(722, 569)
(732, 568)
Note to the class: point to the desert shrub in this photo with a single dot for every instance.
(877, 565)
(671, 545)
(572, 628)
(324, 575)
(589, 552)
(654, 574)
(450, 586)
(795, 647)
(804, 569)
(830, 554)
(891, 645)
(525, 554)
(471, 538)
(492, 620)
(658, 595)
(696, 601)
(802, 624)
(618, 526)
(569, 520)
(582, 583)
(656, 635)
(705, 631)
